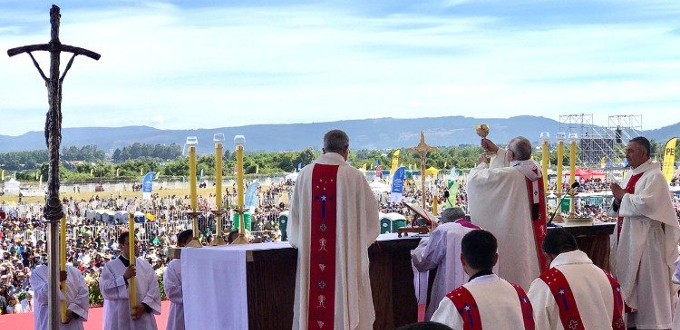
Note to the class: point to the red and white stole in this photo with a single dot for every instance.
(566, 303)
(538, 213)
(630, 188)
(469, 311)
(321, 304)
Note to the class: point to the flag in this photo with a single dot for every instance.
(257, 168)
(669, 159)
(603, 162)
(397, 185)
(395, 161)
(299, 167)
(364, 168)
(453, 193)
(147, 185)
(378, 171)
(3, 176)
(435, 206)
(251, 195)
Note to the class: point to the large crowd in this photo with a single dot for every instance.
(92, 240)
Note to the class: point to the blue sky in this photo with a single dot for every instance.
(203, 64)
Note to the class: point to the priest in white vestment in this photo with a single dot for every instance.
(332, 196)
(113, 283)
(172, 283)
(442, 251)
(597, 295)
(498, 201)
(645, 241)
(77, 298)
(486, 301)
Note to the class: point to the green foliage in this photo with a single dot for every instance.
(143, 150)
(23, 160)
(88, 153)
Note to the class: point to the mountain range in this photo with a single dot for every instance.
(381, 133)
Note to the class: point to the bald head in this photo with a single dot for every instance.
(520, 147)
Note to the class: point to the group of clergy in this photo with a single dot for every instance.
(565, 289)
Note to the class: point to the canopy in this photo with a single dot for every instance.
(431, 171)
(378, 186)
(587, 174)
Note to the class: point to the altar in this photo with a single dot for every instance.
(252, 286)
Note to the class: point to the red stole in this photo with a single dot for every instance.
(538, 216)
(566, 303)
(321, 303)
(469, 311)
(630, 188)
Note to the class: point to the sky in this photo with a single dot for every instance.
(206, 64)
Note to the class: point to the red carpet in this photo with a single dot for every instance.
(94, 322)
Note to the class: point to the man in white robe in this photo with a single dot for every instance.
(114, 286)
(486, 301)
(442, 251)
(172, 283)
(645, 241)
(498, 200)
(77, 298)
(573, 277)
(329, 196)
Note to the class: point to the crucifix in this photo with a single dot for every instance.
(422, 149)
(53, 211)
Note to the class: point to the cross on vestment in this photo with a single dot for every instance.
(564, 298)
(324, 198)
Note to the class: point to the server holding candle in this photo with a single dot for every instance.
(115, 282)
(74, 293)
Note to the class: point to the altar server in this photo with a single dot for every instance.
(441, 251)
(486, 301)
(333, 221)
(77, 298)
(506, 198)
(574, 293)
(645, 242)
(172, 283)
(113, 283)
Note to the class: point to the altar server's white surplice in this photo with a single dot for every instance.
(172, 283)
(77, 297)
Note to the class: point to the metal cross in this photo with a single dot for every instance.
(53, 209)
(422, 149)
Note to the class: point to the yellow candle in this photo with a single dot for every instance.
(545, 162)
(239, 175)
(131, 243)
(572, 162)
(218, 175)
(62, 265)
(192, 176)
(560, 157)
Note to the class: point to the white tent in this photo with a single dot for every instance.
(291, 176)
(379, 187)
(12, 187)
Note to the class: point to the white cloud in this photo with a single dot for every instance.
(174, 67)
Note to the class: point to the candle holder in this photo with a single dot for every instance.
(239, 142)
(218, 138)
(192, 143)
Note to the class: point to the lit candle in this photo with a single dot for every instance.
(545, 159)
(62, 266)
(560, 157)
(131, 248)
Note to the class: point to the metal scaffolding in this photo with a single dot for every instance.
(601, 142)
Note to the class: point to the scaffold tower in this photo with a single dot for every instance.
(597, 143)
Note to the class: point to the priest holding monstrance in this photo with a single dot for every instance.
(333, 221)
(505, 196)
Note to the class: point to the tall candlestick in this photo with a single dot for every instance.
(192, 176)
(572, 159)
(239, 141)
(133, 258)
(545, 159)
(62, 266)
(560, 158)
(219, 140)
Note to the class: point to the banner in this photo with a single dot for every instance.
(395, 162)
(453, 193)
(251, 195)
(398, 185)
(669, 159)
(147, 185)
(378, 172)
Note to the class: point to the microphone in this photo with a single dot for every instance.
(559, 202)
